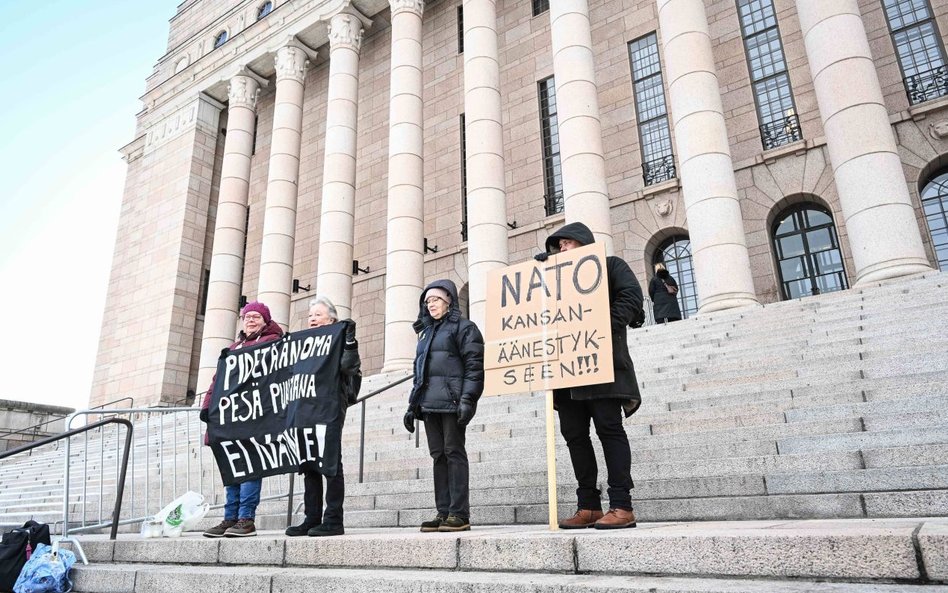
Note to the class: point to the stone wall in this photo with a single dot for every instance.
(18, 419)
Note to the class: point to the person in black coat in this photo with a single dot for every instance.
(449, 379)
(663, 290)
(316, 522)
(603, 404)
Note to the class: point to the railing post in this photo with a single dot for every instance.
(362, 442)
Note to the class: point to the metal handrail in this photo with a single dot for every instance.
(362, 401)
(41, 424)
(120, 485)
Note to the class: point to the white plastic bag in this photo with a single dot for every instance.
(182, 514)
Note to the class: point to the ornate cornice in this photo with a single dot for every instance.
(291, 63)
(345, 30)
(242, 91)
(416, 7)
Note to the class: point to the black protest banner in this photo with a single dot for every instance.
(276, 406)
(547, 324)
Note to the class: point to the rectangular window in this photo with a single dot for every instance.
(540, 6)
(920, 50)
(460, 29)
(776, 111)
(463, 180)
(549, 130)
(658, 161)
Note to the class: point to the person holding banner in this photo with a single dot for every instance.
(603, 404)
(316, 522)
(449, 379)
(240, 508)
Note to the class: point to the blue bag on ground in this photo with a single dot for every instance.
(46, 571)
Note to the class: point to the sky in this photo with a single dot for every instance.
(73, 71)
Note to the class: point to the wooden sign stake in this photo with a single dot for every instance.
(551, 461)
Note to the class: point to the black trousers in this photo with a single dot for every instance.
(451, 471)
(313, 497)
(606, 415)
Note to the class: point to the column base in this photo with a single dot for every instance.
(892, 269)
(728, 301)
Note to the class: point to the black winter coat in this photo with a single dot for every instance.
(449, 359)
(664, 304)
(625, 295)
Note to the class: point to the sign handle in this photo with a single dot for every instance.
(551, 461)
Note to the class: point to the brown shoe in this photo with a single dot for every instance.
(616, 519)
(582, 519)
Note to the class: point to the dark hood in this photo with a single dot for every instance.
(576, 231)
(454, 310)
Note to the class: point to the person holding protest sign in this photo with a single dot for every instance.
(663, 290)
(603, 404)
(316, 522)
(449, 379)
(240, 508)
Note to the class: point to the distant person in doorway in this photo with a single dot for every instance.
(449, 379)
(663, 290)
(240, 508)
(316, 521)
(603, 404)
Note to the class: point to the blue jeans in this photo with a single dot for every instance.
(242, 500)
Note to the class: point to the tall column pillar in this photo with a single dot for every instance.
(279, 223)
(405, 259)
(227, 257)
(486, 185)
(337, 218)
(880, 219)
(715, 224)
(585, 194)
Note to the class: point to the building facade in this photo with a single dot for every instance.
(763, 149)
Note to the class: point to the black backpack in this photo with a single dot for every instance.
(16, 546)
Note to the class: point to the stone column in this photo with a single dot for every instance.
(279, 223)
(405, 259)
(880, 219)
(715, 224)
(486, 185)
(585, 194)
(227, 258)
(337, 219)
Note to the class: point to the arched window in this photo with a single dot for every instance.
(808, 258)
(265, 9)
(675, 253)
(220, 40)
(935, 204)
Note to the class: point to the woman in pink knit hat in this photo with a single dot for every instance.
(242, 499)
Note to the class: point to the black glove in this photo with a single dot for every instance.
(409, 421)
(203, 415)
(350, 330)
(542, 256)
(465, 413)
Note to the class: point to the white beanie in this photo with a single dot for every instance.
(437, 292)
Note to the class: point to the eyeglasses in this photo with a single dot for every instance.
(430, 300)
(253, 316)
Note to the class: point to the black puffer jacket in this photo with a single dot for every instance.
(449, 359)
(625, 295)
(664, 303)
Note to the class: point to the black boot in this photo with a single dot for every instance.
(301, 529)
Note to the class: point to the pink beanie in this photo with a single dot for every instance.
(258, 307)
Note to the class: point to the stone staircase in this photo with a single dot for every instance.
(818, 417)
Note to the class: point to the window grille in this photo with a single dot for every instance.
(552, 169)
(919, 48)
(658, 161)
(773, 95)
